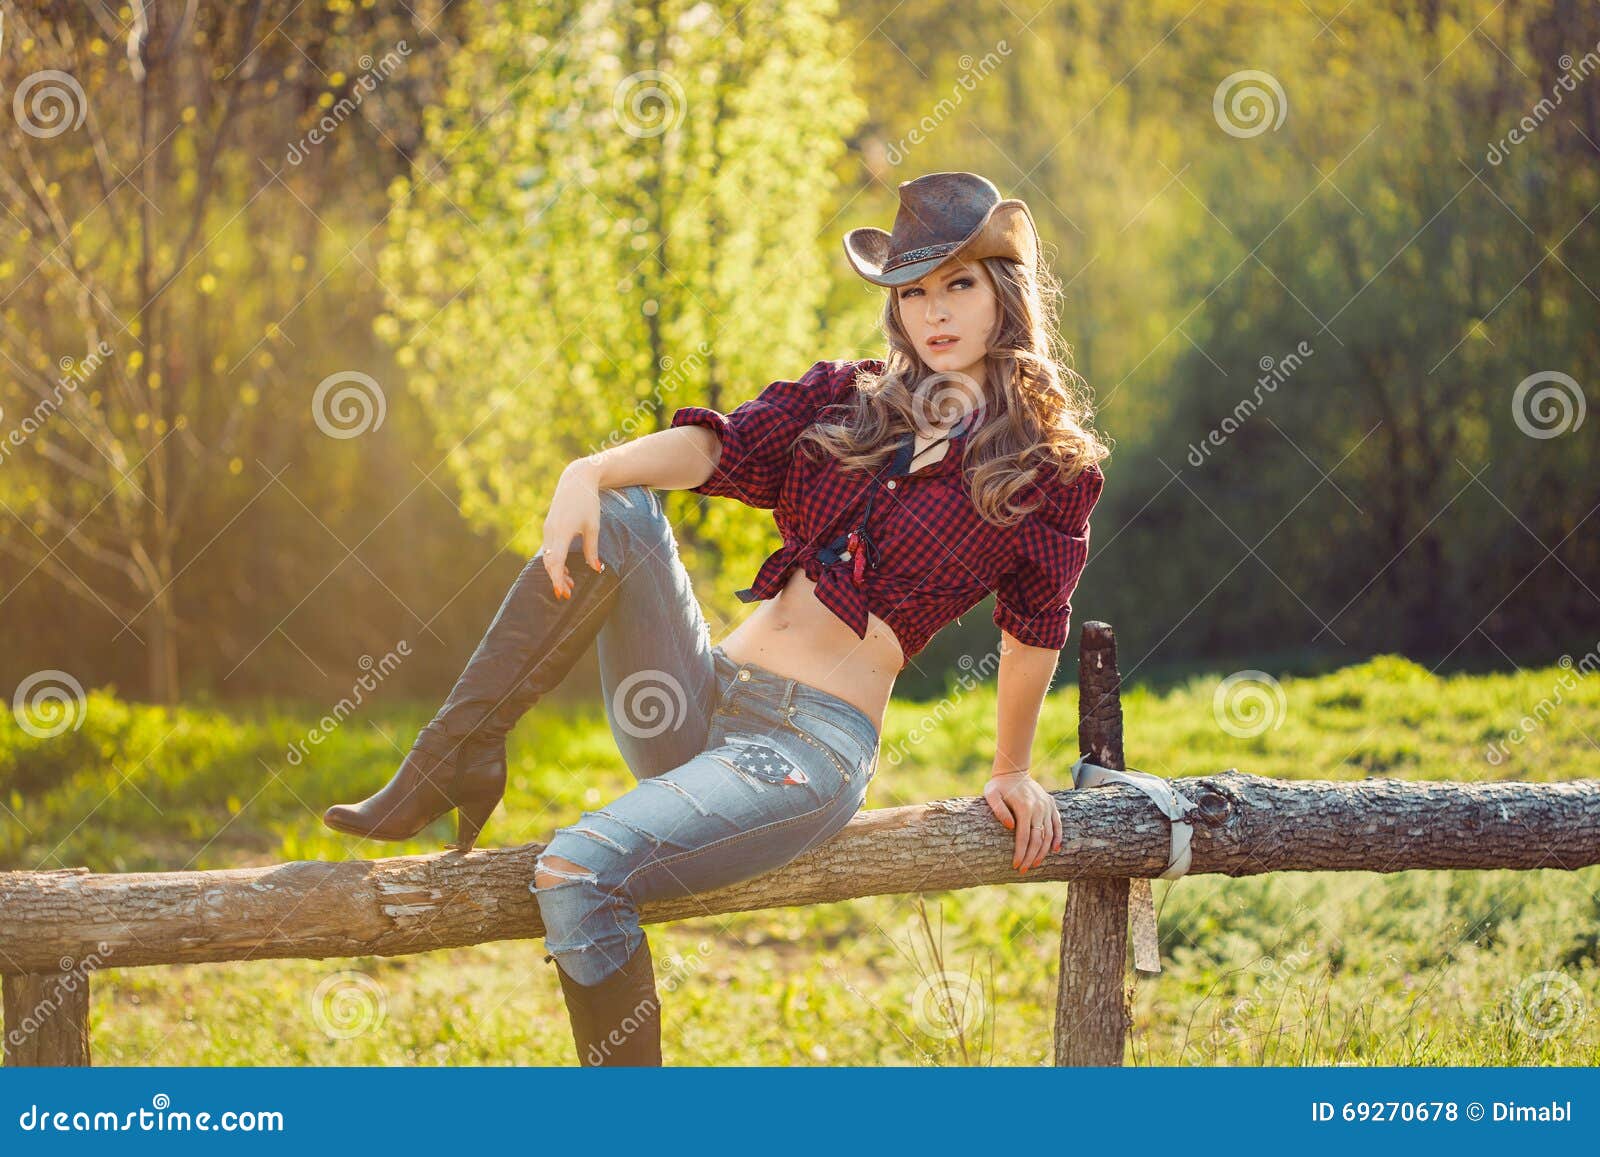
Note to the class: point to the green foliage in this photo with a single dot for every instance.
(614, 218)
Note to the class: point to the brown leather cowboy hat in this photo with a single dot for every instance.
(942, 215)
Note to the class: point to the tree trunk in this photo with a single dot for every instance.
(161, 648)
(47, 1018)
(1091, 1015)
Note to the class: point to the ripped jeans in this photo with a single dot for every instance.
(740, 769)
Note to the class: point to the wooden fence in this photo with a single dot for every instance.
(58, 927)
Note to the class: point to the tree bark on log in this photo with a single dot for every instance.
(1245, 825)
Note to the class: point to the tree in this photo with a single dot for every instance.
(152, 212)
(621, 209)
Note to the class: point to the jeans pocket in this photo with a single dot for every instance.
(763, 761)
(841, 745)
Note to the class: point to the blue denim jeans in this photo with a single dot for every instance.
(740, 769)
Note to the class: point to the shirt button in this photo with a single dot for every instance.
(845, 556)
(891, 484)
(744, 675)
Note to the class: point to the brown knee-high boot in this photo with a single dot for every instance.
(458, 760)
(618, 1021)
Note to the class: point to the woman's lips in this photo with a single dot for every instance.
(942, 344)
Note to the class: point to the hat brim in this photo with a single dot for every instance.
(1007, 230)
(868, 248)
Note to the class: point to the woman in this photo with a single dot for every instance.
(905, 491)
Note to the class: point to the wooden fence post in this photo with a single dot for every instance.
(1092, 1018)
(47, 1017)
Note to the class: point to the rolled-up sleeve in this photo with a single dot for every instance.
(1033, 599)
(758, 435)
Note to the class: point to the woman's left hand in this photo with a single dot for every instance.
(1020, 802)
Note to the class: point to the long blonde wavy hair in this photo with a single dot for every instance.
(1035, 412)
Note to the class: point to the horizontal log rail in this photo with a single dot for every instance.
(1245, 825)
(56, 927)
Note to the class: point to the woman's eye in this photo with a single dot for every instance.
(958, 281)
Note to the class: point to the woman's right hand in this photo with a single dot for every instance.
(574, 512)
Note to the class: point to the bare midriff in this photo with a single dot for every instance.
(796, 636)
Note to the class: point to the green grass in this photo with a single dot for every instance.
(1434, 968)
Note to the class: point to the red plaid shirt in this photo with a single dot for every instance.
(932, 557)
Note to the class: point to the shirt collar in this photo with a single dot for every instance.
(952, 457)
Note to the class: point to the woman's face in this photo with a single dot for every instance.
(955, 300)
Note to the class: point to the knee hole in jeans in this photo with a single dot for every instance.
(552, 871)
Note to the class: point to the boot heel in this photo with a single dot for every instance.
(471, 815)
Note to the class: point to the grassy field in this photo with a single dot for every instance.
(1421, 968)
